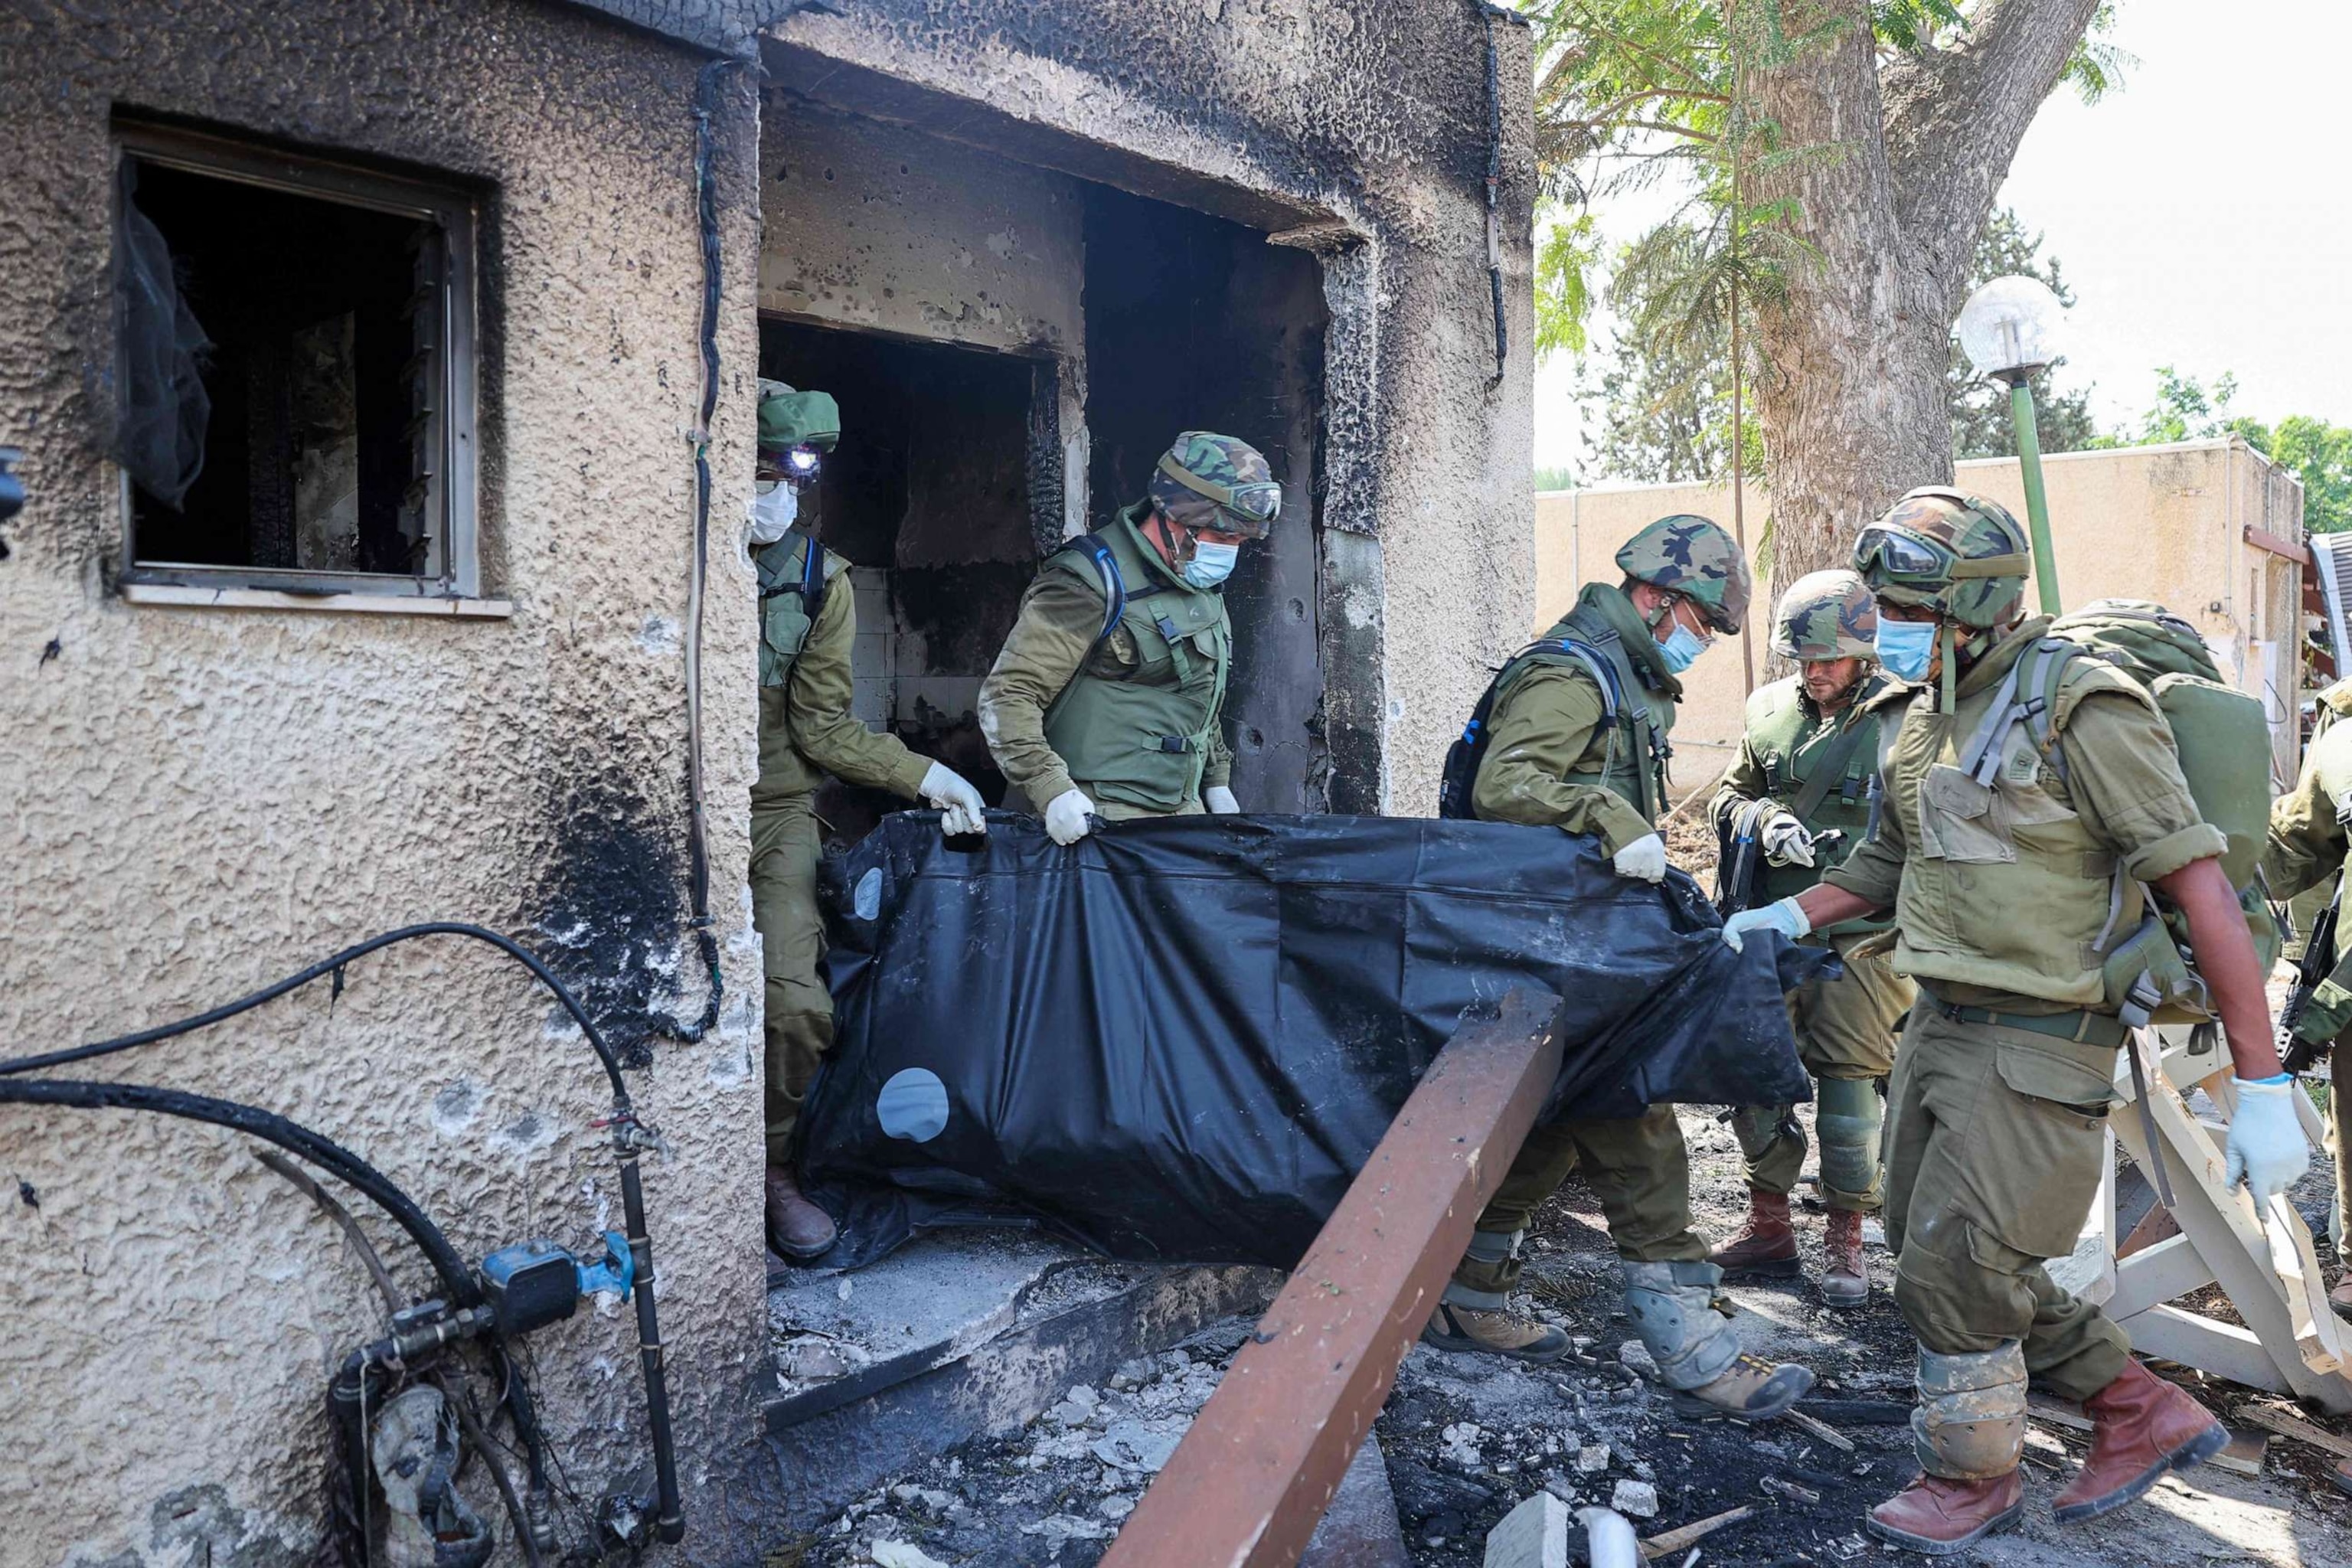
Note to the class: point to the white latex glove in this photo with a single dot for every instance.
(959, 804)
(1220, 801)
(2266, 1144)
(1066, 813)
(1787, 917)
(1786, 842)
(1644, 859)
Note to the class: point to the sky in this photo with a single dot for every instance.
(2201, 214)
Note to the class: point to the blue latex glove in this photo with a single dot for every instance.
(1783, 916)
(2266, 1144)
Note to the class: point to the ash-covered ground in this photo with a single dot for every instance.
(1467, 1437)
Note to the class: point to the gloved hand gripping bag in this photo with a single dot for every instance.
(1181, 1038)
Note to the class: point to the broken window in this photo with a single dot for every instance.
(295, 373)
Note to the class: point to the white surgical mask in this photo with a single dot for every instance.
(772, 511)
(1212, 563)
(1906, 648)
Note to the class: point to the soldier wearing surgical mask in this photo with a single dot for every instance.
(1106, 699)
(808, 624)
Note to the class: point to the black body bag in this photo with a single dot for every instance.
(1181, 1038)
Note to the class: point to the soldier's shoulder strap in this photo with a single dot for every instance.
(805, 569)
(1569, 650)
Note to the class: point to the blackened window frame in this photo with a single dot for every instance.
(453, 567)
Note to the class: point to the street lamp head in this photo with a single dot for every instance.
(2009, 328)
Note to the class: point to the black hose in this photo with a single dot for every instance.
(669, 1515)
(319, 971)
(270, 1127)
(697, 848)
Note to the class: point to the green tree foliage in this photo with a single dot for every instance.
(1980, 418)
(2321, 455)
(1664, 396)
(2189, 408)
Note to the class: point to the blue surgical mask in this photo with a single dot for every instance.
(1212, 563)
(1906, 648)
(1682, 648)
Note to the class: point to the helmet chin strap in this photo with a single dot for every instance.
(1949, 652)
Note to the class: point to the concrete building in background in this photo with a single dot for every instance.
(420, 636)
(2211, 529)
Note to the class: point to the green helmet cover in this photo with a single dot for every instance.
(790, 419)
(1221, 483)
(1696, 558)
(1973, 567)
(1827, 615)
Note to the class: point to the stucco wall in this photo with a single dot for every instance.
(2166, 523)
(199, 801)
(1360, 129)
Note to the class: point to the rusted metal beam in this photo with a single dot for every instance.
(2264, 540)
(1261, 1462)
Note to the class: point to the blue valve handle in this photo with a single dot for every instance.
(617, 1271)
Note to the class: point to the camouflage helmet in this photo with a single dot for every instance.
(1827, 615)
(1221, 483)
(1695, 558)
(1958, 554)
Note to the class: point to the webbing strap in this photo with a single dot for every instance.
(1829, 769)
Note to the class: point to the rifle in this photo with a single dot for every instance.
(1739, 856)
(2318, 962)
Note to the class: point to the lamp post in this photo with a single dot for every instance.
(2009, 329)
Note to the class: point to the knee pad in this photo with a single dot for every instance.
(1848, 1115)
(1970, 1422)
(1674, 1311)
(1761, 1128)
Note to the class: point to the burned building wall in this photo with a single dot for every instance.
(201, 799)
(1358, 135)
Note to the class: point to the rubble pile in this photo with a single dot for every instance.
(1053, 1492)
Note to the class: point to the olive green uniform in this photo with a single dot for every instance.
(806, 732)
(2305, 852)
(1554, 762)
(2002, 1079)
(1133, 720)
(1845, 1028)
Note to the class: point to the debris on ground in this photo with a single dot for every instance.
(1468, 1439)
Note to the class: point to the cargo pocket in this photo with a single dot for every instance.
(2042, 1141)
(1960, 820)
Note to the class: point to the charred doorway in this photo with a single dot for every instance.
(945, 486)
(1196, 324)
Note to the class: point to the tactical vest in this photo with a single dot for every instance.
(2003, 886)
(1139, 729)
(1631, 759)
(788, 604)
(790, 595)
(1791, 745)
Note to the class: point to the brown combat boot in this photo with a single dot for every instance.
(1766, 1246)
(796, 1227)
(1497, 1331)
(1845, 1279)
(1935, 1517)
(1752, 1389)
(2340, 1298)
(2142, 1427)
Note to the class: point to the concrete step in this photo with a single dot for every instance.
(956, 1336)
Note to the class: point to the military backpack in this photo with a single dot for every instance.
(1459, 779)
(2222, 736)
